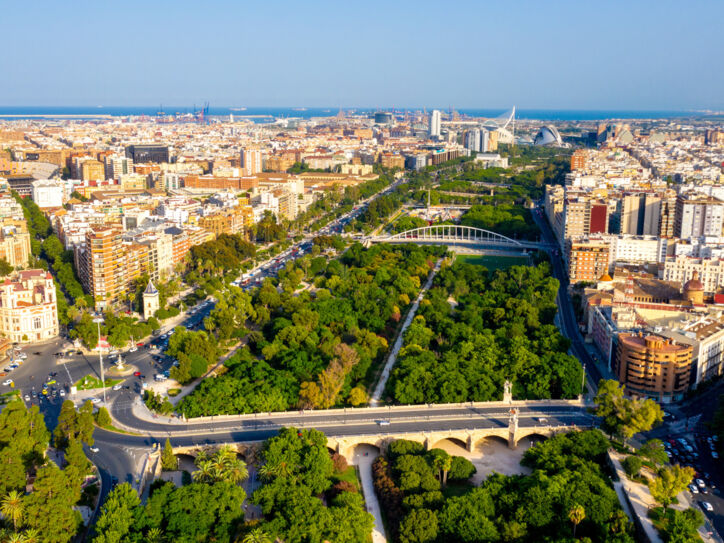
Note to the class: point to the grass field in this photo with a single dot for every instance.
(91, 381)
(493, 262)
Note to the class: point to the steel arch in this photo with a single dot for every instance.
(455, 232)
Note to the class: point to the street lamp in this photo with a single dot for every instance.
(98, 321)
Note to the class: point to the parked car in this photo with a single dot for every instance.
(693, 489)
(707, 506)
(700, 483)
(94, 449)
(8, 382)
(133, 349)
(117, 387)
(95, 400)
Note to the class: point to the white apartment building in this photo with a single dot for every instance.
(638, 249)
(434, 129)
(681, 269)
(48, 193)
(706, 336)
(698, 216)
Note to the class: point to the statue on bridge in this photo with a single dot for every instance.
(508, 392)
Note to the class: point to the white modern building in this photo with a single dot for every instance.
(48, 193)
(434, 129)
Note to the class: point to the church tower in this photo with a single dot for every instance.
(150, 301)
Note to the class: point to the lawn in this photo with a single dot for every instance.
(349, 475)
(493, 262)
(91, 381)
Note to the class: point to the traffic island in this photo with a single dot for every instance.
(90, 382)
(124, 371)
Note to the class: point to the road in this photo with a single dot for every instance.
(566, 314)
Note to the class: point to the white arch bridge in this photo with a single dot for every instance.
(458, 234)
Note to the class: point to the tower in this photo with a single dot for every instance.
(150, 301)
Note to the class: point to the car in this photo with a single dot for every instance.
(693, 489)
(22, 356)
(8, 382)
(94, 449)
(700, 483)
(116, 387)
(136, 373)
(62, 393)
(383, 422)
(707, 506)
(98, 400)
(133, 349)
(27, 398)
(714, 455)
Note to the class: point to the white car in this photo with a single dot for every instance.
(133, 349)
(22, 356)
(707, 506)
(117, 387)
(8, 382)
(94, 449)
(693, 489)
(700, 483)
(98, 400)
(62, 393)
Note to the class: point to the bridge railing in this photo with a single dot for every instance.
(331, 413)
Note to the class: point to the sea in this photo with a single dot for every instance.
(268, 114)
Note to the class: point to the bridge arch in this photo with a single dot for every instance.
(454, 440)
(490, 440)
(457, 232)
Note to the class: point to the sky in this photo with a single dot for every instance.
(538, 54)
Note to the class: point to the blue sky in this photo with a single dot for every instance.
(635, 54)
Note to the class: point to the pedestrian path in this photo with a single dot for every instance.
(392, 357)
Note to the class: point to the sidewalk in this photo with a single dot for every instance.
(392, 357)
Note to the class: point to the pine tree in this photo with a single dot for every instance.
(169, 462)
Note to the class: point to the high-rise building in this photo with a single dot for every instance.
(698, 216)
(100, 264)
(117, 166)
(251, 161)
(653, 367)
(583, 215)
(578, 160)
(434, 129)
(641, 214)
(148, 153)
(588, 259)
(667, 214)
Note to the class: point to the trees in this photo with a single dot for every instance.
(74, 424)
(576, 514)
(257, 535)
(669, 481)
(103, 418)
(11, 508)
(169, 462)
(621, 416)
(223, 465)
(117, 515)
(420, 526)
(49, 508)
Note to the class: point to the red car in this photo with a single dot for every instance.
(140, 344)
(136, 373)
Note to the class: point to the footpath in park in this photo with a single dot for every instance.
(392, 357)
(636, 501)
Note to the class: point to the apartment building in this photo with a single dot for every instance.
(698, 216)
(101, 264)
(583, 215)
(588, 259)
(15, 242)
(653, 367)
(250, 160)
(28, 307)
(710, 271)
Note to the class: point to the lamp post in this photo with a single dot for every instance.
(98, 321)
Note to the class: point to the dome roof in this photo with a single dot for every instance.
(548, 135)
(693, 284)
(605, 277)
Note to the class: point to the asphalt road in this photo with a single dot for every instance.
(566, 314)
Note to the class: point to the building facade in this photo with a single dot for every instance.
(653, 367)
(28, 307)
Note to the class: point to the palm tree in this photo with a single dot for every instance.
(15, 538)
(576, 515)
(32, 536)
(257, 535)
(12, 508)
(154, 535)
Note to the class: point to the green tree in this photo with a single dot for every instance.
(117, 515)
(11, 508)
(5, 268)
(420, 526)
(103, 418)
(257, 535)
(169, 462)
(669, 481)
(576, 514)
(655, 451)
(49, 508)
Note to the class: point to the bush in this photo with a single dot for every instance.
(404, 446)
(461, 469)
(103, 418)
(632, 465)
(339, 462)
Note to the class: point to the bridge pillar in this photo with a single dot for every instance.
(470, 443)
(513, 429)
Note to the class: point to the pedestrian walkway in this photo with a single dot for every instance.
(392, 357)
(364, 456)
